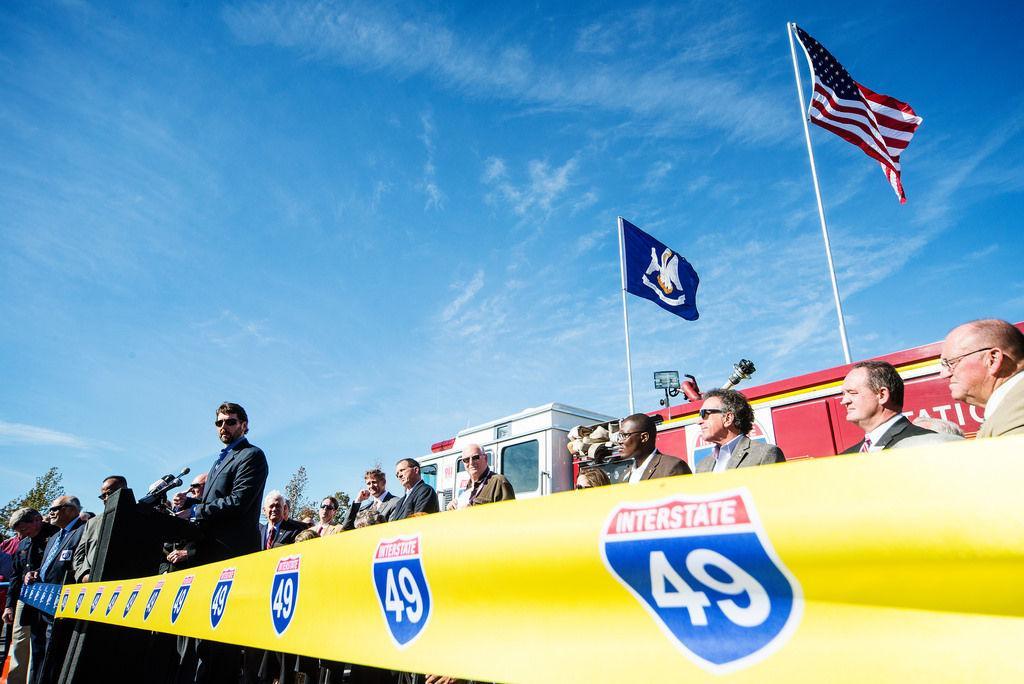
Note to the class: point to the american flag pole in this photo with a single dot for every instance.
(817, 193)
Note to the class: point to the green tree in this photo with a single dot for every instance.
(296, 488)
(343, 502)
(295, 491)
(46, 488)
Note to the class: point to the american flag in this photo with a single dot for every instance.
(880, 125)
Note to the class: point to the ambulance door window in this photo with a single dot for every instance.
(429, 475)
(520, 464)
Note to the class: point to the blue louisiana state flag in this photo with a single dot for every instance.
(653, 271)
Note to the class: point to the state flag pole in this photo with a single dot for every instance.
(625, 313)
(817, 194)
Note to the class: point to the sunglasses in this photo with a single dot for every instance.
(326, 507)
(230, 422)
(584, 486)
(54, 509)
(470, 459)
(704, 413)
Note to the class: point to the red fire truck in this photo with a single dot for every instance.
(801, 414)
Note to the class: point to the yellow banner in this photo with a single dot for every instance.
(903, 565)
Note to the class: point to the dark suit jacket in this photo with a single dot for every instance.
(896, 433)
(387, 506)
(286, 532)
(420, 499)
(746, 454)
(28, 556)
(663, 465)
(61, 570)
(229, 514)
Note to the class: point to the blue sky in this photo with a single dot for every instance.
(374, 224)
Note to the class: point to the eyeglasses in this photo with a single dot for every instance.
(328, 507)
(950, 364)
(54, 509)
(104, 495)
(704, 413)
(195, 487)
(230, 422)
(623, 436)
(467, 459)
(579, 486)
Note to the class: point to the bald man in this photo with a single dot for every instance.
(485, 485)
(984, 361)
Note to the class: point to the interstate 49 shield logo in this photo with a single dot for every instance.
(113, 600)
(151, 601)
(95, 600)
(219, 600)
(705, 570)
(284, 593)
(179, 598)
(402, 588)
(131, 600)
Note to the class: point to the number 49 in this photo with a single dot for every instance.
(393, 603)
(670, 590)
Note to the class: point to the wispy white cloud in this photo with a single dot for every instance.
(229, 329)
(960, 173)
(656, 173)
(19, 433)
(587, 241)
(584, 201)
(543, 187)
(435, 197)
(380, 189)
(379, 38)
(466, 293)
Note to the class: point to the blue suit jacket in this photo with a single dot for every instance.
(61, 570)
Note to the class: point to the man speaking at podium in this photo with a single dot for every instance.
(228, 516)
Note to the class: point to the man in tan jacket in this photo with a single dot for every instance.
(984, 361)
(485, 485)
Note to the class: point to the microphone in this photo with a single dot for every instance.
(168, 479)
(163, 485)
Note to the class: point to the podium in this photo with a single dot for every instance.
(130, 545)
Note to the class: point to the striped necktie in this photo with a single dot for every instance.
(866, 445)
(51, 555)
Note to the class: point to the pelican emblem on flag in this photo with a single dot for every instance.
(667, 280)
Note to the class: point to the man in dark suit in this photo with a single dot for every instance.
(419, 496)
(873, 397)
(726, 418)
(57, 568)
(34, 533)
(228, 515)
(279, 530)
(637, 436)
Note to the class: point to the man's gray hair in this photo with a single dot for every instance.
(24, 514)
(275, 494)
(938, 425)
